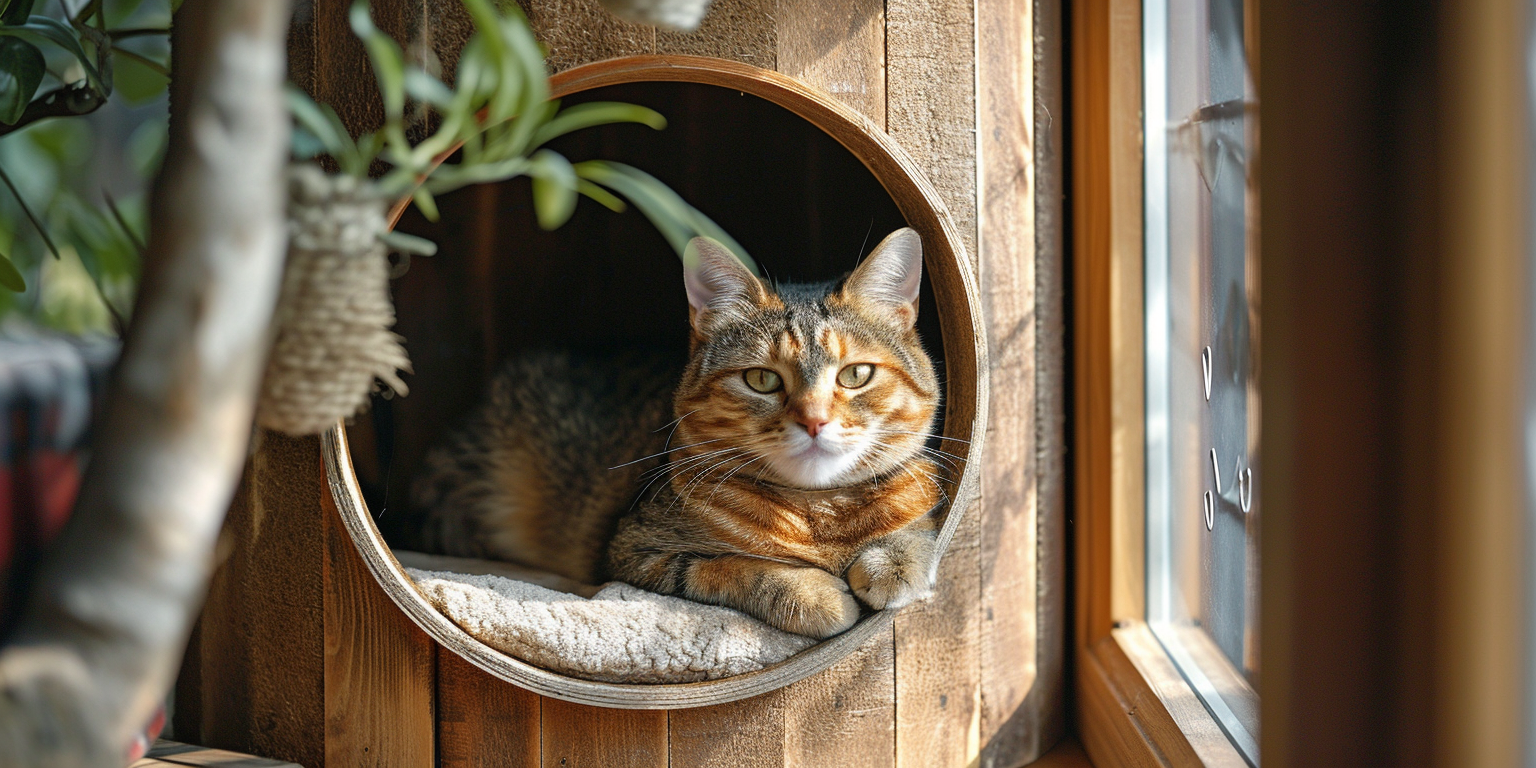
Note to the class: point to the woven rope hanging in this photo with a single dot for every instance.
(334, 314)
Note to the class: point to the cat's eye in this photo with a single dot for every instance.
(856, 375)
(762, 380)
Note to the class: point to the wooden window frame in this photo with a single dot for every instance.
(1134, 706)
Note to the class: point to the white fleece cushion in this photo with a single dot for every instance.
(620, 635)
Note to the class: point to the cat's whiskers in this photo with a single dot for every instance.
(923, 434)
(663, 453)
(677, 467)
(677, 422)
(909, 469)
(926, 436)
(941, 459)
(923, 450)
(698, 478)
(669, 470)
(723, 480)
(950, 460)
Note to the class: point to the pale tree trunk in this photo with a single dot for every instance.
(110, 613)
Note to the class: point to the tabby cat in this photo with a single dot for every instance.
(796, 474)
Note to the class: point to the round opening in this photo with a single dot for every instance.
(807, 187)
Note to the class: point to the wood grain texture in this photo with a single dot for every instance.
(931, 103)
(1165, 708)
(931, 98)
(1068, 753)
(1109, 417)
(736, 30)
(483, 722)
(1047, 700)
(253, 679)
(938, 720)
(580, 32)
(579, 736)
(1110, 729)
(1011, 733)
(171, 753)
(379, 667)
(837, 46)
(742, 734)
(846, 715)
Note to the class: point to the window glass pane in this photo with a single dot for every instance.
(1202, 398)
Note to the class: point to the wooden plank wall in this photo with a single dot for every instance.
(957, 682)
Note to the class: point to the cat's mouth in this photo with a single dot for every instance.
(815, 462)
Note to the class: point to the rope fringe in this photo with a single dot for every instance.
(333, 319)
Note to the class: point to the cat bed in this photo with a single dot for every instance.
(615, 633)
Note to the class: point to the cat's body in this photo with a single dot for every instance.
(542, 468)
(795, 477)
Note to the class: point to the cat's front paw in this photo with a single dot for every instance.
(892, 577)
(811, 602)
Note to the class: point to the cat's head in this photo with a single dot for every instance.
(811, 386)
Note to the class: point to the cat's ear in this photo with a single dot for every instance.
(888, 280)
(718, 284)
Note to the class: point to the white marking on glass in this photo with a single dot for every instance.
(1245, 489)
(1205, 368)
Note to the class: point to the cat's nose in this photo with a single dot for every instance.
(811, 415)
(813, 423)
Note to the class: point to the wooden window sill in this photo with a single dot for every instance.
(1138, 709)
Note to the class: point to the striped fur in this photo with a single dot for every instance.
(786, 502)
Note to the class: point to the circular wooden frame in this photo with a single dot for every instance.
(961, 326)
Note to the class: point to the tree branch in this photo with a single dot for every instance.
(111, 609)
(64, 101)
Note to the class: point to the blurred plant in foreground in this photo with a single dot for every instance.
(498, 115)
(72, 212)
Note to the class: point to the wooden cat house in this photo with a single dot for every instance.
(805, 130)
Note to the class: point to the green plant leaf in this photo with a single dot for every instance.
(677, 221)
(21, 70)
(427, 89)
(605, 198)
(672, 228)
(146, 146)
(37, 223)
(325, 124)
(450, 177)
(505, 88)
(384, 54)
(40, 30)
(594, 114)
(459, 118)
(136, 80)
(401, 242)
(554, 188)
(120, 11)
(10, 276)
(16, 12)
(514, 138)
(426, 203)
(305, 145)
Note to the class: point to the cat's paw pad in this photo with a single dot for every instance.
(813, 603)
(886, 579)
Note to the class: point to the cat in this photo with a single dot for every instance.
(782, 470)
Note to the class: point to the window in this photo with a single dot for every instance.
(1200, 272)
(1166, 428)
